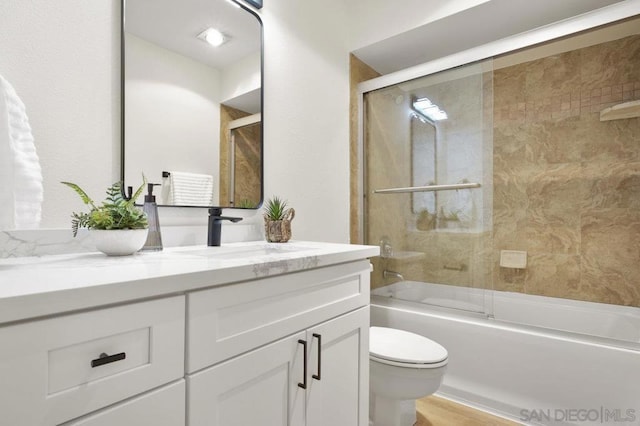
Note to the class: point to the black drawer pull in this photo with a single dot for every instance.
(107, 359)
(303, 385)
(319, 337)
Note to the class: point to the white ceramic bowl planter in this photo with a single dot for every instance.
(119, 242)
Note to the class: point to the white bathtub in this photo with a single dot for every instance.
(540, 360)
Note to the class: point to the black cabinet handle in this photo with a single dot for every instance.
(107, 359)
(303, 385)
(319, 337)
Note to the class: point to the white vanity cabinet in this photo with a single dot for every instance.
(187, 338)
(287, 350)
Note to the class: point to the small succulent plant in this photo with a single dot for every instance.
(116, 212)
(275, 209)
(277, 220)
(245, 203)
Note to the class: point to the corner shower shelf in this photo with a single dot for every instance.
(428, 188)
(621, 111)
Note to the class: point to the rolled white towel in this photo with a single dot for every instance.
(21, 193)
(190, 189)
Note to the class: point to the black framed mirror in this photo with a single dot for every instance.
(192, 112)
(256, 3)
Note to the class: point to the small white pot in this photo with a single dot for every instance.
(119, 242)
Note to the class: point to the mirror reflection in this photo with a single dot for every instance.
(192, 101)
(240, 166)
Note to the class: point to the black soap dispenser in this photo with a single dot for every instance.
(154, 238)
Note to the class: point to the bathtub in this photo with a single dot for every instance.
(538, 360)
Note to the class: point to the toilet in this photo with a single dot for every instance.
(403, 367)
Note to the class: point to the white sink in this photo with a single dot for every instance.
(246, 252)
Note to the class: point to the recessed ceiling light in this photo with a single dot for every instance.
(213, 37)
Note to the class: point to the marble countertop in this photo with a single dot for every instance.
(39, 286)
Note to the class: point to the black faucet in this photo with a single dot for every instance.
(215, 225)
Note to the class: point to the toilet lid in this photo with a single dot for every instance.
(404, 347)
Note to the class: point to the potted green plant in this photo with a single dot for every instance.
(117, 226)
(277, 220)
(245, 203)
(449, 219)
(426, 221)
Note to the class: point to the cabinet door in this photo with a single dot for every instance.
(338, 392)
(257, 388)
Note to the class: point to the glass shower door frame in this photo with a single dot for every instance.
(583, 22)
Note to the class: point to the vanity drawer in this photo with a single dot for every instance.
(162, 407)
(226, 321)
(58, 369)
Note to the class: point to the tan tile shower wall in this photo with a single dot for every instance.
(566, 185)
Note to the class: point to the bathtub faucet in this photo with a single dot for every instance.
(391, 274)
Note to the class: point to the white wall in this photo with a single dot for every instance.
(306, 114)
(63, 58)
(241, 77)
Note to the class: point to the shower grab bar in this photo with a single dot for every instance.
(428, 188)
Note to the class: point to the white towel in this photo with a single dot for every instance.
(21, 192)
(190, 189)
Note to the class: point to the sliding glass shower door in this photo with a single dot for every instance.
(428, 187)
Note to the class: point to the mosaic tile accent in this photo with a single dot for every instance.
(566, 105)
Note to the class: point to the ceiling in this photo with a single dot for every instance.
(487, 22)
(174, 25)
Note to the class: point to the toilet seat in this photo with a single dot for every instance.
(405, 349)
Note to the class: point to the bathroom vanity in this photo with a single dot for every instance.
(248, 333)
